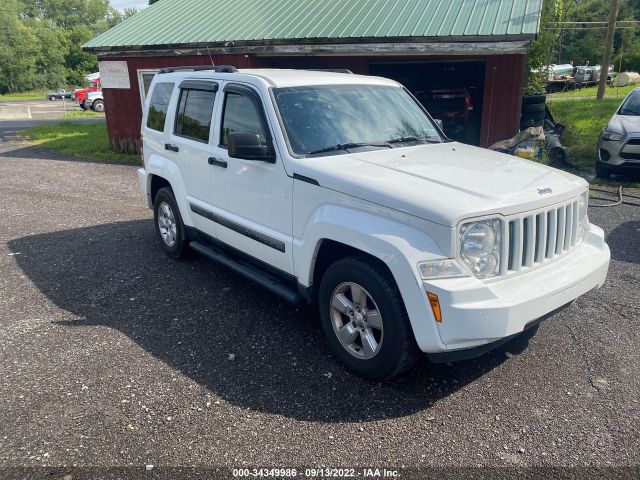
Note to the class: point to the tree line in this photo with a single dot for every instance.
(42, 39)
(585, 43)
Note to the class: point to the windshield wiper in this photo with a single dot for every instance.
(409, 139)
(346, 146)
(630, 111)
(404, 140)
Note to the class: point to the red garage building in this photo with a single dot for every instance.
(463, 59)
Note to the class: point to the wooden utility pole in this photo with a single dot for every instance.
(606, 60)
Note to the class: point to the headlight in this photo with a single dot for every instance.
(480, 247)
(583, 217)
(611, 136)
(446, 268)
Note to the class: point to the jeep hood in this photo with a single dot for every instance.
(443, 183)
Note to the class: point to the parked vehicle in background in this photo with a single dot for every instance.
(80, 94)
(454, 106)
(59, 95)
(94, 101)
(619, 141)
(340, 190)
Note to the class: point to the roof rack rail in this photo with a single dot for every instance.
(333, 70)
(197, 68)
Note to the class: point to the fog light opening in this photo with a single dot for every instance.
(435, 306)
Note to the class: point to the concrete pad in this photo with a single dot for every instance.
(15, 112)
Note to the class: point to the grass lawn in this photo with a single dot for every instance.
(78, 139)
(83, 114)
(610, 92)
(584, 119)
(33, 95)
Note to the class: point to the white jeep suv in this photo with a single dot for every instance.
(341, 190)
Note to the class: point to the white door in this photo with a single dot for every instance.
(190, 145)
(252, 199)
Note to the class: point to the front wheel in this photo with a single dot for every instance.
(364, 318)
(602, 171)
(98, 106)
(169, 226)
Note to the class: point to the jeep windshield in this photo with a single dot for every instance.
(335, 119)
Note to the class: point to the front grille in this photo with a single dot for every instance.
(633, 141)
(535, 238)
(630, 156)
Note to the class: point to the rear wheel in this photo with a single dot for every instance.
(169, 226)
(365, 320)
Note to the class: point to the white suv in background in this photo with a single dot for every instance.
(340, 190)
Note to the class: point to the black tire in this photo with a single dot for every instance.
(533, 99)
(532, 120)
(398, 349)
(602, 171)
(534, 108)
(83, 106)
(98, 106)
(52, 98)
(180, 247)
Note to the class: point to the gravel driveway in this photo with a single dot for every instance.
(112, 354)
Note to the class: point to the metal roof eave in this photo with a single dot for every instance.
(494, 44)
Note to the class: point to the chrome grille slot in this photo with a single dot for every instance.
(535, 238)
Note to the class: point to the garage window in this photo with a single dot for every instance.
(159, 105)
(195, 110)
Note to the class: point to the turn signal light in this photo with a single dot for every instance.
(435, 306)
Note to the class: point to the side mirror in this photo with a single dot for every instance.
(439, 123)
(247, 146)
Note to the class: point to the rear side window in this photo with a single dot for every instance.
(195, 110)
(240, 115)
(159, 105)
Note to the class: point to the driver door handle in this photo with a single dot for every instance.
(218, 163)
(173, 148)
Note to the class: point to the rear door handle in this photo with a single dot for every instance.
(173, 148)
(217, 163)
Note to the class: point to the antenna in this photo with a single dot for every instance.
(210, 59)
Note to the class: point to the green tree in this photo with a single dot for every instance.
(78, 62)
(540, 54)
(17, 51)
(42, 40)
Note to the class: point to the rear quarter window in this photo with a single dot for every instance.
(158, 106)
(195, 110)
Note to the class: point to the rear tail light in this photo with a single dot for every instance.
(469, 102)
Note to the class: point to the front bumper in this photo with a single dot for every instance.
(622, 154)
(476, 313)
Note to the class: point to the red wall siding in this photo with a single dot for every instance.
(501, 105)
(503, 85)
(122, 107)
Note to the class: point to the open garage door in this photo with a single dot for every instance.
(450, 90)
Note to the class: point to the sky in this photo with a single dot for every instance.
(122, 4)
